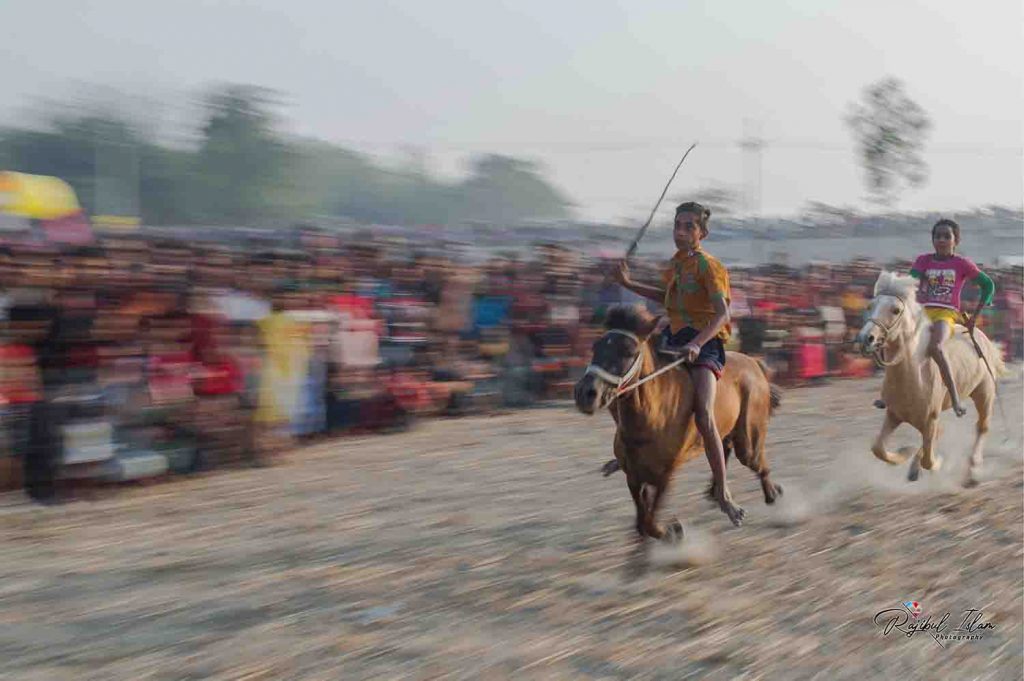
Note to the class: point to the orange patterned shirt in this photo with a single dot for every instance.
(693, 280)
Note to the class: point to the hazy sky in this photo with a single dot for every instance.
(605, 95)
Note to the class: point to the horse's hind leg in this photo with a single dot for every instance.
(750, 451)
(983, 401)
(759, 464)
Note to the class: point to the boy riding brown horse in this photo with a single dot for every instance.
(695, 294)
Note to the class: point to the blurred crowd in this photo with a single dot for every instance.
(135, 357)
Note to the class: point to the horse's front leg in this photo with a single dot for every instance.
(647, 497)
(930, 461)
(641, 514)
(627, 465)
(890, 424)
(637, 563)
(650, 498)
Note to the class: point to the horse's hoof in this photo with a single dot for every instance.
(970, 481)
(913, 474)
(610, 467)
(932, 463)
(673, 532)
(879, 404)
(775, 493)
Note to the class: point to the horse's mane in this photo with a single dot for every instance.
(895, 284)
(632, 318)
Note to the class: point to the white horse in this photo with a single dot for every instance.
(896, 334)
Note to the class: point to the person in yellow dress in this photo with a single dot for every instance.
(285, 361)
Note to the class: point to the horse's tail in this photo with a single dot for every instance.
(993, 355)
(998, 365)
(773, 390)
(776, 397)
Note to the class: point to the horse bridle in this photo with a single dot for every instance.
(631, 373)
(878, 353)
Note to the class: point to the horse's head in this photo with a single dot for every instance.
(617, 357)
(891, 316)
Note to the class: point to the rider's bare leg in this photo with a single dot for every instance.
(940, 331)
(705, 386)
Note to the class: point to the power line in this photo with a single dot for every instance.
(588, 147)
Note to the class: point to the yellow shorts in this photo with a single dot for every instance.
(944, 314)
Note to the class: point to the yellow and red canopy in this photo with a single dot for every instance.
(37, 197)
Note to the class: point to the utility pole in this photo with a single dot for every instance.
(752, 145)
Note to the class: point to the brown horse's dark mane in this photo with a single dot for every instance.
(632, 318)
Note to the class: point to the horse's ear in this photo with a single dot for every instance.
(647, 324)
(883, 278)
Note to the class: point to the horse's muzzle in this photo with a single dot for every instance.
(587, 394)
(868, 340)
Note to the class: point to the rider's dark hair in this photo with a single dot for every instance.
(703, 213)
(953, 227)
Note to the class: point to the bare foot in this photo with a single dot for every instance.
(734, 512)
(712, 490)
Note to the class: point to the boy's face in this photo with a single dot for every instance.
(686, 232)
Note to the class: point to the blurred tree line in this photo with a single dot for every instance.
(243, 170)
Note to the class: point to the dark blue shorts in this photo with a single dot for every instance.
(712, 354)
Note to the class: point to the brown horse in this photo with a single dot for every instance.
(655, 430)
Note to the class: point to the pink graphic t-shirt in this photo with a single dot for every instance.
(942, 280)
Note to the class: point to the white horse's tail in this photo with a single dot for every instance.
(998, 365)
(991, 353)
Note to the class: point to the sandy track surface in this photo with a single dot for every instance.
(492, 548)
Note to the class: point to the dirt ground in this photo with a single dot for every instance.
(492, 548)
